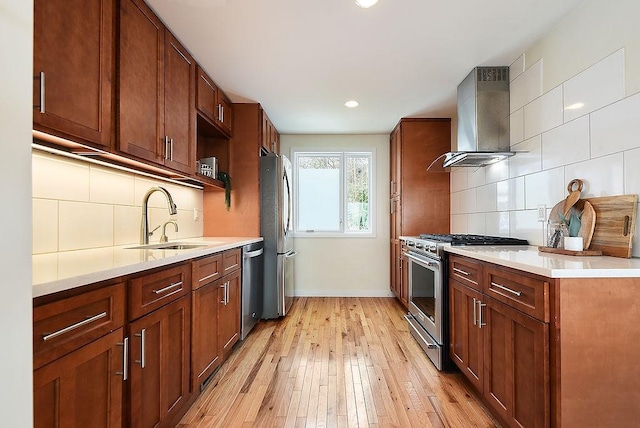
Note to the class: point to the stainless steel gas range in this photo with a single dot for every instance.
(428, 316)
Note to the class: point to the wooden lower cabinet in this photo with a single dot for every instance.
(516, 365)
(229, 312)
(205, 352)
(466, 345)
(159, 379)
(83, 388)
(503, 352)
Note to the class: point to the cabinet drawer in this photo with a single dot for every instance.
(152, 291)
(65, 325)
(206, 270)
(467, 271)
(528, 294)
(231, 260)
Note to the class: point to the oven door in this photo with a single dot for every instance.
(425, 293)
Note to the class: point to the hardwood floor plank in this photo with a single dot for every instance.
(335, 362)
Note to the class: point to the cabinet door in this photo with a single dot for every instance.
(160, 346)
(229, 315)
(207, 94)
(205, 352)
(465, 335)
(516, 365)
(141, 74)
(74, 66)
(83, 388)
(225, 113)
(394, 189)
(404, 279)
(179, 106)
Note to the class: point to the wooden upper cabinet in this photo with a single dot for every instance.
(213, 104)
(74, 43)
(157, 91)
(270, 135)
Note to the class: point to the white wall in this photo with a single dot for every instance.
(346, 266)
(16, 45)
(591, 57)
(79, 205)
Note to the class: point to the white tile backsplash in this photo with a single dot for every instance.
(477, 224)
(544, 113)
(546, 187)
(566, 144)
(477, 176)
(598, 86)
(602, 176)
(616, 127)
(80, 205)
(497, 223)
(459, 223)
(468, 201)
(516, 68)
(525, 225)
(458, 179)
(510, 194)
(497, 171)
(632, 172)
(526, 87)
(486, 198)
(85, 225)
(516, 127)
(528, 158)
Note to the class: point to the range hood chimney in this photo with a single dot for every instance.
(483, 118)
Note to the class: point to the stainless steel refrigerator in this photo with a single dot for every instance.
(276, 227)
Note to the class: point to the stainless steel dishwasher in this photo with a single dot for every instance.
(252, 286)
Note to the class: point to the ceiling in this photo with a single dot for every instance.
(303, 59)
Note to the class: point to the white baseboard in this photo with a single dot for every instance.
(343, 293)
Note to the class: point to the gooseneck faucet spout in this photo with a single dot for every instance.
(144, 227)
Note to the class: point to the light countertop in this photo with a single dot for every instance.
(54, 272)
(529, 259)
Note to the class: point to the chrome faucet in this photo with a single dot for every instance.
(163, 237)
(144, 228)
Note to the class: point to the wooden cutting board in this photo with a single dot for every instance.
(615, 224)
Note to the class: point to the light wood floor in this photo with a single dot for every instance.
(335, 362)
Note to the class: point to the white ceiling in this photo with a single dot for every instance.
(303, 59)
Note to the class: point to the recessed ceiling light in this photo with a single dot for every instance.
(352, 103)
(365, 4)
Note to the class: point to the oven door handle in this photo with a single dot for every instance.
(433, 264)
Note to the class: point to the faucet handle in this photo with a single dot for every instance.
(164, 238)
(156, 228)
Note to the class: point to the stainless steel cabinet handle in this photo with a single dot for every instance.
(475, 312)
(88, 320)
(392, 187)
(171, 148)
(231, 267)
(461, 272)
(125, 359)
(507, 289)
(227, 293)
(209, 276)
(166, 147)
(141, 335)
(40, 76)
(224, 293)
(480, 306)
(162, 290)
(392, 206)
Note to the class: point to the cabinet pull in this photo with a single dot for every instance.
(162, 290)
(480, 306)
(224, 293)
(475, 312)
(392, 186)
(166, 147)
(171, 148)
(507, 289)
(460, 271)
(208, 277)
(231, 267)
(88, 320)
(141, 335)
(125, 359)
(392, 206)
(41, 107)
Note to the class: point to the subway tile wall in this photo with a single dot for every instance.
(79, 205)
(584, 128)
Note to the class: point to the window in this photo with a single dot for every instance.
(334, 192)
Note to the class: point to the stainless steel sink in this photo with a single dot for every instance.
(168, 246)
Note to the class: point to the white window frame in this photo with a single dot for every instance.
(369, 152)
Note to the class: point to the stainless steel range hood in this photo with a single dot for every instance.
(483, 118)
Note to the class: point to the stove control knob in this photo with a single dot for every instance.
(418, 245)
(410, 243)
(432, 248)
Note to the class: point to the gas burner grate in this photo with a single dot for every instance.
(465, 239)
